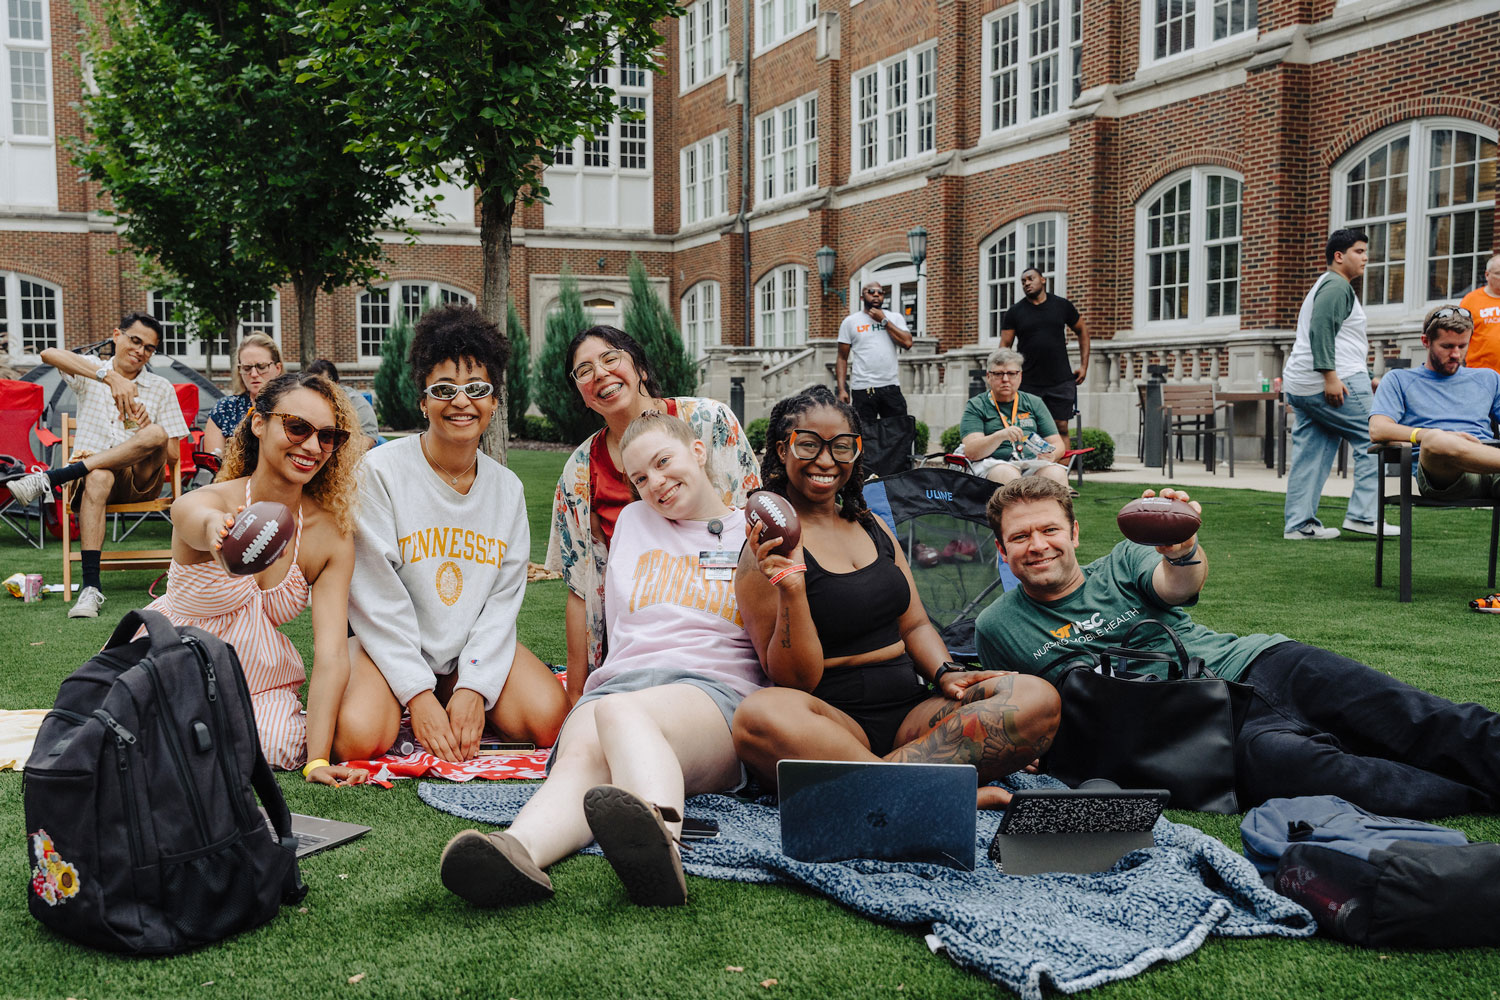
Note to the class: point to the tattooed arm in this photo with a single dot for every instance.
(777, 616)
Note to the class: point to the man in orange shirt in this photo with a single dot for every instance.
(1483, 304)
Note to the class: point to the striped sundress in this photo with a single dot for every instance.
(235, 609)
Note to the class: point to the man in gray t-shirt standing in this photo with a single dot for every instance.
(867, 375)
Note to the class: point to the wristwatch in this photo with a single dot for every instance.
(948, 668)
(102, 371)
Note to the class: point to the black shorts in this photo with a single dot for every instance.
(878, 696)
(1061, 400)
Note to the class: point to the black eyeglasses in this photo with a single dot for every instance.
(1004, 374)
(138, 342)
(808, 445)
(609, 361)
(259, 369)
(450, 390)
(297, 430)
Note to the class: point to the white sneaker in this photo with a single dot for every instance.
(1311, 532)
(1368, 527)
(28, 488)
(87, 605)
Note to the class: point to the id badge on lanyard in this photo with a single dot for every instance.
(717, 564)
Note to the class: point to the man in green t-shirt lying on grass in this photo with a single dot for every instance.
(1319, 723)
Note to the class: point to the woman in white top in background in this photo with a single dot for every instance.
(652, 724)
(440, 569)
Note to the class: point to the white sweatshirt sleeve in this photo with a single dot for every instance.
(490, 649)
(381, 611)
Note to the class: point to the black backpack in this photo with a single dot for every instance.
(142, 828)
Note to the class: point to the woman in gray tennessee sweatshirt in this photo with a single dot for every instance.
(440, 568)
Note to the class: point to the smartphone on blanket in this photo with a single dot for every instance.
(500, 748)
(694, 828)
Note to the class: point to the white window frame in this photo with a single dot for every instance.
(786, 142)
(38, 50)
(781, 307)
(1198, 250)
(1414, 300)
(705, 180)
(1025, 232)
(1029, 70)
(904, 107)
(393, 298)
(260, 317)
(1203, 14)
(700, 318)
(777, 21)
(629, 83)
(702, 42)
(12, 333)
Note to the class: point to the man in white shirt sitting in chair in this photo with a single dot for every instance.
(129, 426)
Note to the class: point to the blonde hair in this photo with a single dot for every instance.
(237, 381)
(336, 485)
(674, 427)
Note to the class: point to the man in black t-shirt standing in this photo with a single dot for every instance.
(1041, 322)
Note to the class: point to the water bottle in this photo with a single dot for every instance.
(1265, 383)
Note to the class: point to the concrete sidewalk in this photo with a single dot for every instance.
(1249, 475)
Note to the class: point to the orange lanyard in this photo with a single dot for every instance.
(1014, 403)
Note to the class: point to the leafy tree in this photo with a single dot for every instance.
(229, 177)
(555, 393)
(518, 369)
(479, 90)
(648, 320)
(396, 396)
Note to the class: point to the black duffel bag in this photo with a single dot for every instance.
(1142, 731)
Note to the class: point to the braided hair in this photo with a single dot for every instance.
(851, 497)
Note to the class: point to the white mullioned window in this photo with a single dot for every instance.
(894, 108)
(787, 149)
(778, 20)
(27, 141)
(178, 340)
(1188, 234)
(781, 307)
(700, 318)
(625, 143)
(1033, 55)
(705, 179)
(703, 31)
(380, 308)
(1039, 241)
(1424, 193)
(1172, 27)
(30, 315)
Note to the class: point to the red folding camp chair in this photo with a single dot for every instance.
(21, 405)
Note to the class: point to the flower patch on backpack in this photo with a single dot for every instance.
(52, 878)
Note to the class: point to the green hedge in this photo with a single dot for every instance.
(951, 439)
(756, 432)
(1103, 455)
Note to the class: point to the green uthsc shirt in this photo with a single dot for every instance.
(981, 414)
(1033, 637)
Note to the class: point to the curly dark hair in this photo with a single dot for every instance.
(453, 333)
(620, 341)
(773, 471)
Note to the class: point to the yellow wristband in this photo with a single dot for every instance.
(312, 765)
(1414, 435)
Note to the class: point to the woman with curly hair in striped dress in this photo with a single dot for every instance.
(293, 448)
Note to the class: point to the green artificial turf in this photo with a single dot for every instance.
(376, 908)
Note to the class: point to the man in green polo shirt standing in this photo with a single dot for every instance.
(1319, 723)
(1001, 426)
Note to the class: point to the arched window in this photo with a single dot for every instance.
(380, 307)
(30, 315)
(700, 318)
(1424, 192)
(1039, 241)
(781, 307)
(1188, 231)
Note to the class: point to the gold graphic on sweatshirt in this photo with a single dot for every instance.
(450, 582)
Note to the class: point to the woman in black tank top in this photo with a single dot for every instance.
(843, 635)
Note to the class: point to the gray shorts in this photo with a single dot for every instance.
(1468, 486)
(726, 699)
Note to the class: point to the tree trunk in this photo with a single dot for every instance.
(495, 219)
(305, 290)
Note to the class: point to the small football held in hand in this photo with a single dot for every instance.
(780, 519)
(256, 539)
(1158, 521)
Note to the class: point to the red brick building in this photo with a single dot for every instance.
(1172, 165)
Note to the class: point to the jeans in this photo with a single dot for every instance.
(1315, 444)
(1323, 724)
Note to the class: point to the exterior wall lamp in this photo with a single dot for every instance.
(916, 245)
(825, 257)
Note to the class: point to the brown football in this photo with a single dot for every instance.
(1158, 521)
(257, 537)
(776, 513)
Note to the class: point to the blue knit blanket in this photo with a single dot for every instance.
(1074, 932)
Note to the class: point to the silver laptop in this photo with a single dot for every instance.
(315, 834)
(1074, 829)
(836, 810)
